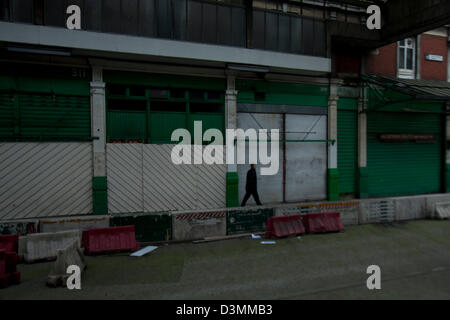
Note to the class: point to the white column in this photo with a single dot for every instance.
(231, 111)
(98, 126)
(363, 178)
(362, 129)
(332, 125)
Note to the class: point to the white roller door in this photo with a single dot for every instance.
(270, 188)
(306, 162)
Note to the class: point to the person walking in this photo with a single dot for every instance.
(251, 186)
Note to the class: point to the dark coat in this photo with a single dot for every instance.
(251, 180)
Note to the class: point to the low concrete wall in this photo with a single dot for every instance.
(199, 225)
(44, 246)
(410, 208)
(73, 223)
(352, 212)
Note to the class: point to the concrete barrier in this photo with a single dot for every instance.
(44, 246)
(431, 201)
(442, 210)
(70, 255)
(410, 208)
(198, 225)
(73, 223)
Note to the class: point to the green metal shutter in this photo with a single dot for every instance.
(6, 114)
(347, 150)
(46, 115)
(128, 125)
(403, 168)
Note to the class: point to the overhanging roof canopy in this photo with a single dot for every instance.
(404, 95)
(418, 89)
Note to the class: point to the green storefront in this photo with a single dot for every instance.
(347, 122)
(405, 139)
(147, 108)
(54, 106)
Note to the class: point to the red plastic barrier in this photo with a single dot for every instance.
(2, 262)
(323, 222)
(8, 269)
(10, 243)
(105, 240)
(284, 226)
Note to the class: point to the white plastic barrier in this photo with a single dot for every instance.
(41, 246)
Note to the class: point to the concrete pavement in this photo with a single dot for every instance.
(414, 258)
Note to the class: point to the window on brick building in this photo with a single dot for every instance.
(406, 58)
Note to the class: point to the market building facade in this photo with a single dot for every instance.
(87, 115)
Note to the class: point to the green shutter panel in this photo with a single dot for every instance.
(46, 115)
(347, 150)
(6, 114)
(127, 125)
(403, 168)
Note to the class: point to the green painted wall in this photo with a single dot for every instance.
(347, 145)
(447, 178)
(232, 191)
(282, 93)
(333, 184)
(363, 183)
(162, 80)
(100, 195)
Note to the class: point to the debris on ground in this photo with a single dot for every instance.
(268, 242)
(143, 251)
(69, 256)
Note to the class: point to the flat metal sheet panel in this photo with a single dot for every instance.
(306, 162)
(125, 178)
(270, 188)
(45, 179)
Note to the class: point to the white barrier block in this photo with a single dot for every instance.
(45, 245)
